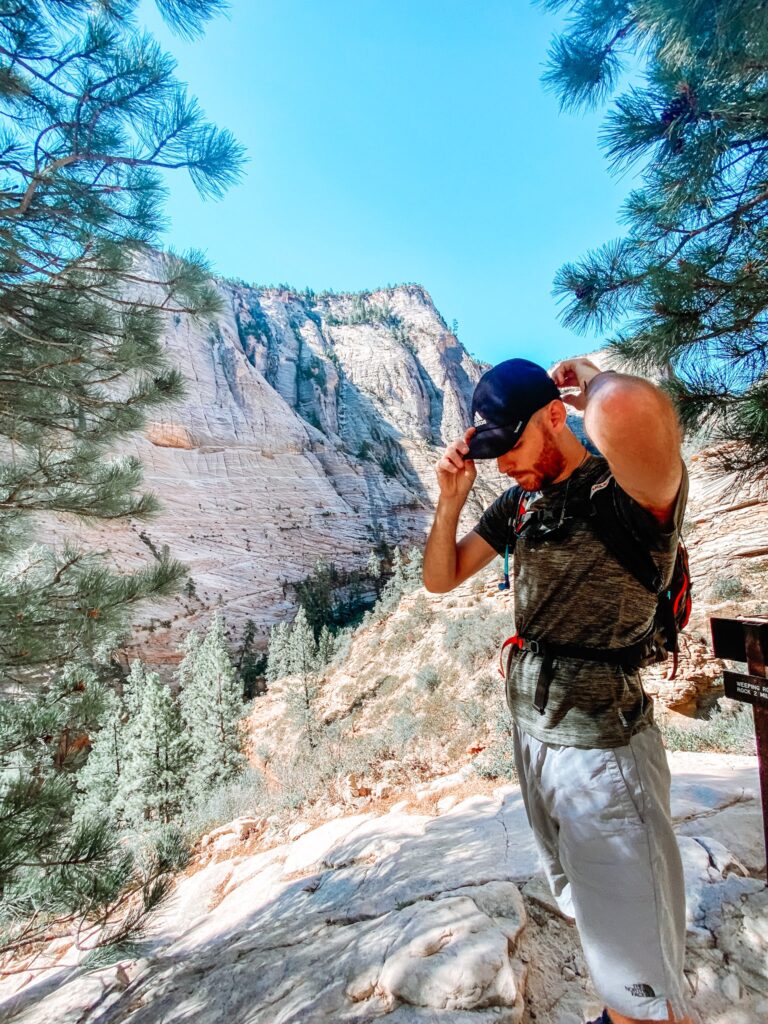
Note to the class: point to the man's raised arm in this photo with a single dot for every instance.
(634, 425)
(446, 563)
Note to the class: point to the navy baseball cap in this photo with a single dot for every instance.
(505, 398)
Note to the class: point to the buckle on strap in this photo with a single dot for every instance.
(545, 671)
(511, 641)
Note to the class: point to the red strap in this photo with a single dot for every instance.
(511, 641)
(520, 514)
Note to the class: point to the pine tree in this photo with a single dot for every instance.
(373, 568)
(92, 116)
(325, 647)
(373, 565)
(99, 782)
(212, 708)
(133, 688)
(413, 569)
(686, 289)
(302, 663)
(398, 562)
(316, 594)
(153, 781)
(396, 585)
(250, 665)
(277, 651)
(43, 739)
(138, 765)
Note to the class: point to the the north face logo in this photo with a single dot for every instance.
(641, 991)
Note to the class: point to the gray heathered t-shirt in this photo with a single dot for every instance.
(573, 590)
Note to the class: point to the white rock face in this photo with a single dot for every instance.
(410, 919)
(310, 428)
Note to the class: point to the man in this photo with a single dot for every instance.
(592, 767)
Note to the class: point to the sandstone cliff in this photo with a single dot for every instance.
(310, 428)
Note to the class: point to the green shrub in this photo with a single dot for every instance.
(387, 684)
(428, 678)
(408, 629)
(488, 686)
(304, 776)
(726, 588)
(473, 711)
(264, 752)
(440, 722)
(473, 639)
(497, 761)
(402, 727)
(309, 773)
(726, 732)
(400, 638)
(244, 796)
(419, 616)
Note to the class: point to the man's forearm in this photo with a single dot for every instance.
(440, 555)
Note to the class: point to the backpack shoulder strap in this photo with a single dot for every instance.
(513, 519)
(620, 540)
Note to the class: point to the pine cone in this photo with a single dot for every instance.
(682, 106)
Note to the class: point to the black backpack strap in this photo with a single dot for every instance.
(513, 528)
(620, 540)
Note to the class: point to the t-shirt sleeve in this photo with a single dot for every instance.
(495, 525)
(643, 524)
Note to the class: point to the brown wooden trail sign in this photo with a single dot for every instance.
(747, 640)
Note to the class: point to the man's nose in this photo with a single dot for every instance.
(505, 463)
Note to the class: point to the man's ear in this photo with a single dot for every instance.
(557, 415)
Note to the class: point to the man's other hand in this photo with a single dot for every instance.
(455, 473)
(573, 375)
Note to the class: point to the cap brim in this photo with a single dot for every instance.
(489, 442)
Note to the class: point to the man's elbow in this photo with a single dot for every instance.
(630, 411)
(433, 586)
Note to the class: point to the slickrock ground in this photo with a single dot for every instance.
(420, 901)
(412, 917)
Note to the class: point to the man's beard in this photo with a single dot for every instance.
(545, 470)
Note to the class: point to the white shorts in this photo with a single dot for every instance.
(602, 825)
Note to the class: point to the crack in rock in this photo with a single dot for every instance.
(710, 812)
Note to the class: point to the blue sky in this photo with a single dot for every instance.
(399, 140)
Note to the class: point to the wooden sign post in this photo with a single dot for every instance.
(747, 640)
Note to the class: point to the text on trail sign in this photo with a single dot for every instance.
(750, 689)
